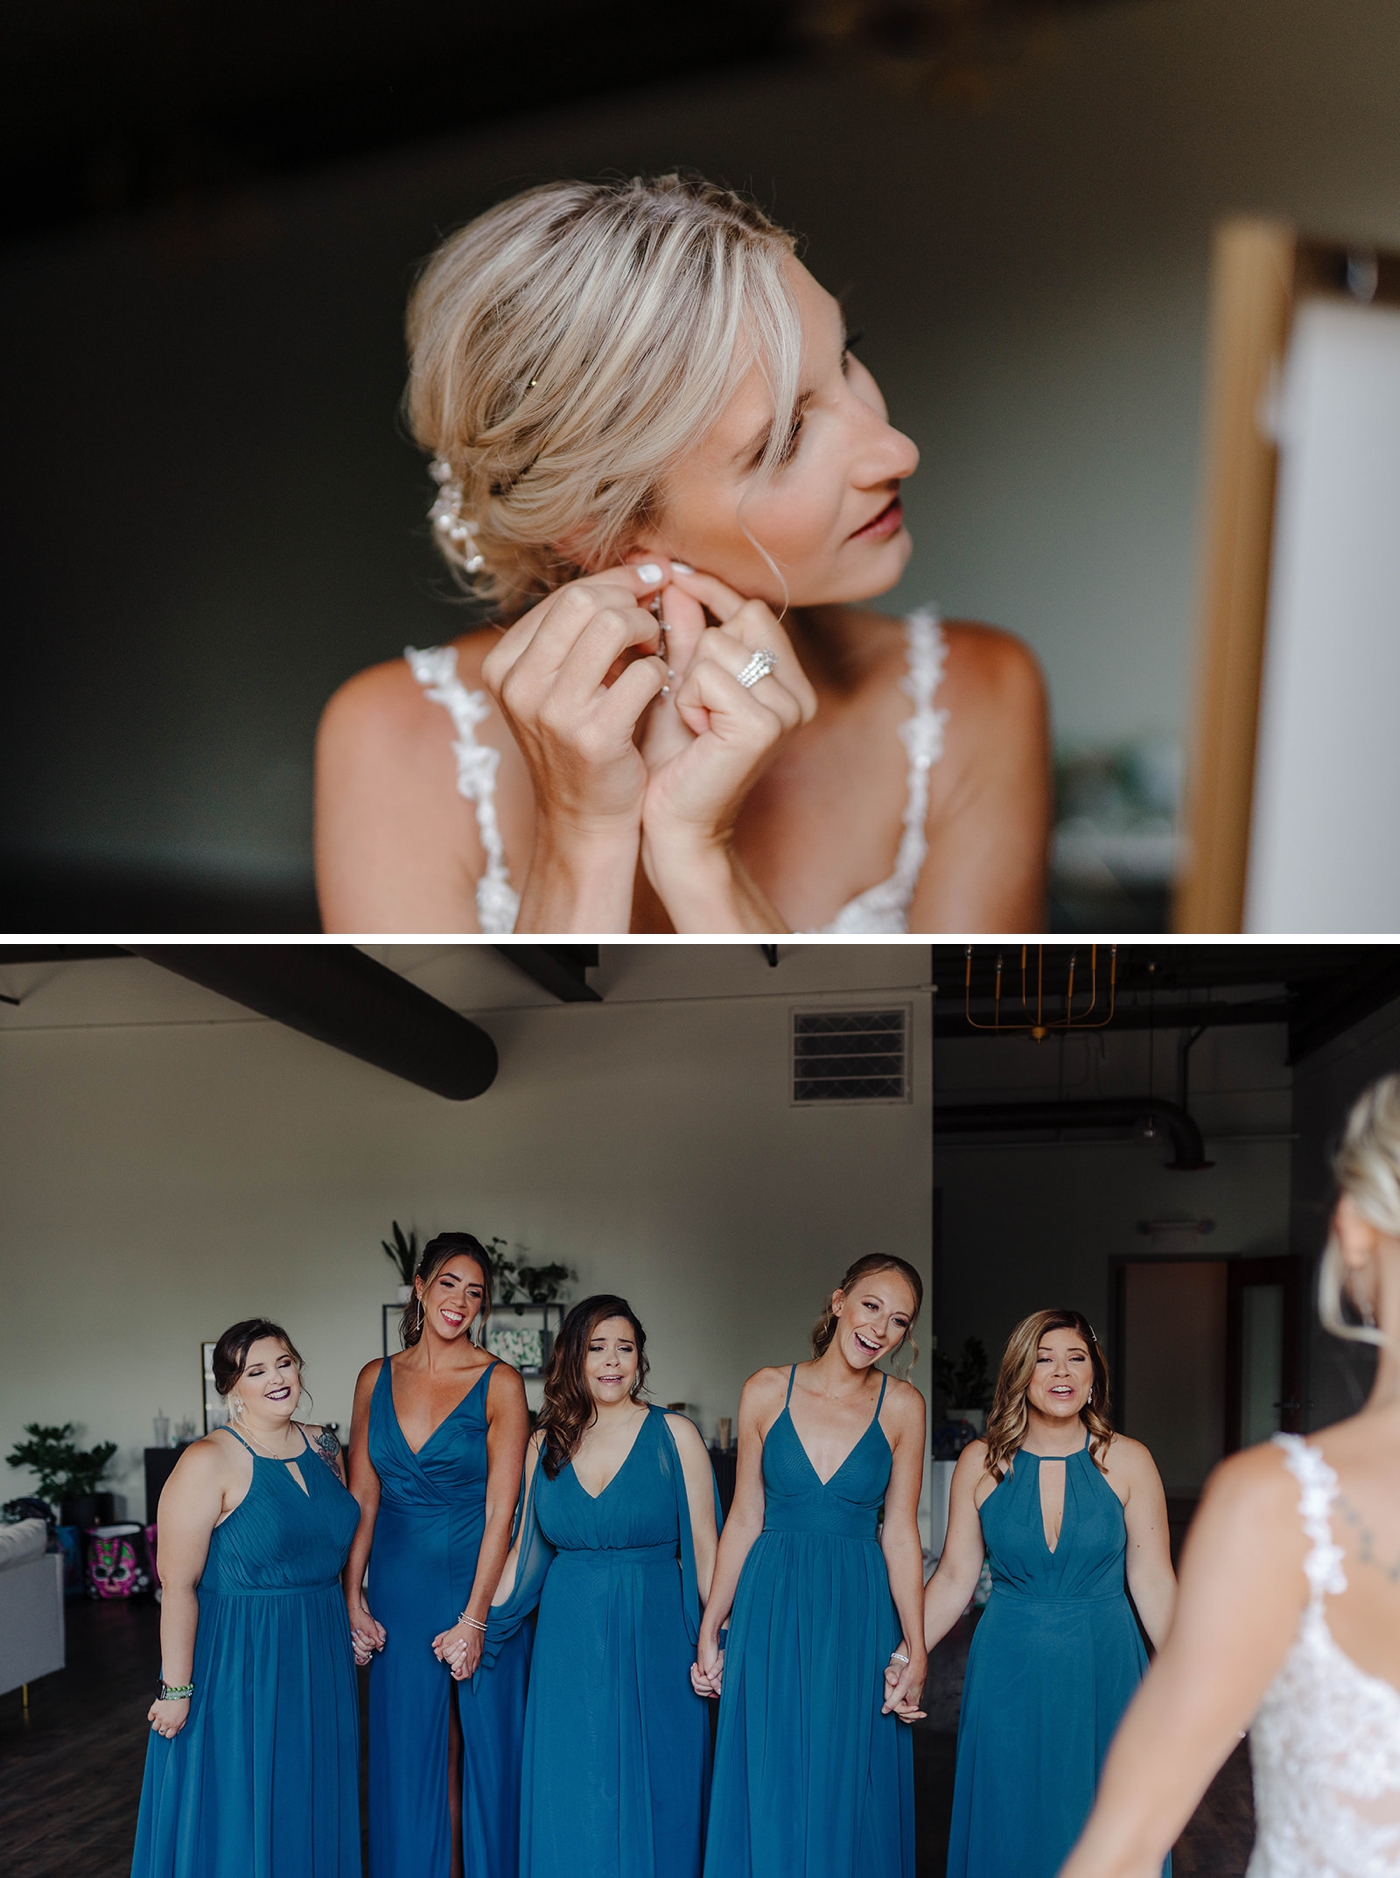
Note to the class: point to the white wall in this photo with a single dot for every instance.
(172, 1164)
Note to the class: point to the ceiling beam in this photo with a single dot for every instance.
(1093, 1117)
(340, 996)
(558, 970)
(951, 1022)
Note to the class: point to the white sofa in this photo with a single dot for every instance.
(31, 1605)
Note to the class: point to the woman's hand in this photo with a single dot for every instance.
(707, 743)
(168, 1718)
(903, 1693)
(707, 1671)
(366, 1636)
(572, 677)
(460, 1648)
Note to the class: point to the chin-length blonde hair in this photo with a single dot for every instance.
(1367, 1166)
(1007, 1423)
(572, 345)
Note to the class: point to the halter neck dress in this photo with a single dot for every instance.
(1055, 1660)
(883, 908)
(811, 1780)
(427, 1534)
(616, 1764)
(263, 1779)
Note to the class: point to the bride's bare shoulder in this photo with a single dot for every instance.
(384, 714)
(988, 669)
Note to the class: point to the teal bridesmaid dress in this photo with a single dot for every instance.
(427, 1534)
(263, 1779)
(616, 1761)
(811, 1780)
(1055, 1660)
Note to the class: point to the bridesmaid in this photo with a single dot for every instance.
(617, 1745)
(813, 1775)
(252, 1769)
(1056, 1500)
(436, 1447)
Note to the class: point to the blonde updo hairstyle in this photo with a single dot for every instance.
(1009, 1418)
(570, 346)
(1367, 1166)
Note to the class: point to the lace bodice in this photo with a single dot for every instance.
(1326, 1741)
(883, 908)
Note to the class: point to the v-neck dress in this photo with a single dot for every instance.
(811, 1780)
(427, 1534)
(263, 1779)
(616, 1763)
(1055, 1660)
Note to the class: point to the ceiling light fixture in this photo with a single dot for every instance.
(1038, 1026)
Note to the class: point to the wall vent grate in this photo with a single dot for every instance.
(850, 1056)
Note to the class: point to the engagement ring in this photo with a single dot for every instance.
(759, 666)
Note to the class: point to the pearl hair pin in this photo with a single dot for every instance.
(447, 518)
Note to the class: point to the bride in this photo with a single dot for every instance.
(660, 463)
(1288, 1619)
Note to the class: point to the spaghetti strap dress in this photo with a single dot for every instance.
(263, 1779)
(1055, 1660)
(616, 1769)
(811, 1780)
(427, 1534)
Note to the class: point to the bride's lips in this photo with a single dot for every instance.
(888, 522)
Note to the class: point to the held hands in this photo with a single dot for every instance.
(460, 1649)
(168, 1718)
(707, 1671)
(904, 1683)
(366, 1636)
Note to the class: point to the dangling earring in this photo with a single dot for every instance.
(420, 1317)
(235, 1407)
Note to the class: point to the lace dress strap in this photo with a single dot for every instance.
(497, 902)
(1318, 1484)
(885, 908)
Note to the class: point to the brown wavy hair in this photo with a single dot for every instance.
(1007, 1423)
(568, 1406)
(436, 1253)
(825, 1327)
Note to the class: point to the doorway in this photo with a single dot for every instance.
(1208, 1359)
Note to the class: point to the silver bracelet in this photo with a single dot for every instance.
(895, 1657)
(475, 1622)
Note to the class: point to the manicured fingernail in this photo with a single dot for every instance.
(650, 573)
(682, 568)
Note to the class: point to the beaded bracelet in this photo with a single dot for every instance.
(175, 1692)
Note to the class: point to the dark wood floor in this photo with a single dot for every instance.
(70, 1775)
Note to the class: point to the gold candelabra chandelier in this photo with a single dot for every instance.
(1034, 1022)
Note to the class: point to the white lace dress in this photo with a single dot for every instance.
(1326, 1741)
(880, 909)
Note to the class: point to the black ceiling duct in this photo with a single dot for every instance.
(342, 997)
(1088, 1117)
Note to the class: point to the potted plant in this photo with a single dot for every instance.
(68, 1474)
(402, 1254)
(964, 1387)
(519, 1285)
